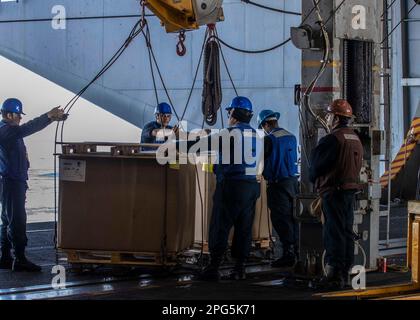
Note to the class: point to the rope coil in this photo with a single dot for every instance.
(212, 87)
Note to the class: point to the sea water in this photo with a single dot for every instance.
(40, 195)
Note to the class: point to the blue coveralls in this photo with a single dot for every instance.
(234, 202)
(146, 134)
(280, 172)
(14, 167)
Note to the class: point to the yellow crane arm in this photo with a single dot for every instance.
(177, 15)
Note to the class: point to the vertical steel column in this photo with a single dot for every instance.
(386, 86)
(405, 66)
(386, 65)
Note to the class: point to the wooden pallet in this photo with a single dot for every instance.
(256, 244)
(115, 149)
(198, 244)
(124, 150)
(261, 243)
(119, 258)
(79, 148)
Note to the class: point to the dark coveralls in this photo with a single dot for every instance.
(146, 134)
(234, 202)
(280, 172)
(335, 169)
(14, 167)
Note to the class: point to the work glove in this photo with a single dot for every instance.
(57, 114)
(175, 130)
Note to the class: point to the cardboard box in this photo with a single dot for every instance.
(115, 203)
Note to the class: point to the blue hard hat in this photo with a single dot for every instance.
(13, 106)
(240, 103)
(163, 108)
(265, 115)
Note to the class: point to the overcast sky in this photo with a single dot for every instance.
(87, 122)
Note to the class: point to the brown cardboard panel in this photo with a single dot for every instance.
(262, 221)
(207, 182)
(87, 221)
(147, 214)
(204, 203)
(181, 207)
(187, 185)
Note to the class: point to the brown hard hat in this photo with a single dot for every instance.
(341, 107)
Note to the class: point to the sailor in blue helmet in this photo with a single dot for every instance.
(14, 166)
(237, 191)
(280, 172)
(158, 130)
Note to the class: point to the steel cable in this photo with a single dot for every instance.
(195, 75)
(68, 108)
(271, 8)
(401, 21)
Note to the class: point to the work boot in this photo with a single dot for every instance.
(347, 276)
(332, 279)
(6, 260)
(211, 272)
(238, 272)
(287, 260)
(23, 264)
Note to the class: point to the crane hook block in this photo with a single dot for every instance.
(181, 50)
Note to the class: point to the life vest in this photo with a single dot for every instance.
(346, 172)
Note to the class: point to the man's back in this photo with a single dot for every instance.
(280, 155)
(337, 160)
(349, 159)
(235, 159)
(14, 163)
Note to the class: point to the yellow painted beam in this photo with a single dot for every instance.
(410, 297)
(317, 64)
(372, 292)
(415, 227)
